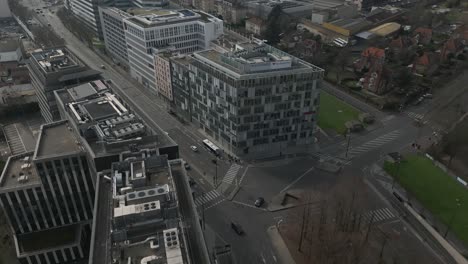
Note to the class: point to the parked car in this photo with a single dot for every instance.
(354, 126)
(194, 148)
(103, 66)
(186, 166)
(237, 228)
(428, 96)
(259, 202)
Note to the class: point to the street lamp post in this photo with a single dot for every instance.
(457, 204)
(347, 144)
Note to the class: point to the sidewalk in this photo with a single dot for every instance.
(280, 247)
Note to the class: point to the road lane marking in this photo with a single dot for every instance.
(296, 180)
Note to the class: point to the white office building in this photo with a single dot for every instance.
(155, 31)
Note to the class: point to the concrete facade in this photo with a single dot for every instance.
(162, 68)
(113, 32)
(49, 193)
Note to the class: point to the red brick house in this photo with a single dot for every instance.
(454, 46)
(376, 76)
(423, 35)
(401, 43)
(370, 58)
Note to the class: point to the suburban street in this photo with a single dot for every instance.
(269, 178)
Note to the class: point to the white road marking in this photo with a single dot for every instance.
(296, 180)
(231, 173)
(375, 143)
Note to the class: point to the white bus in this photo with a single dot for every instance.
(212, 147)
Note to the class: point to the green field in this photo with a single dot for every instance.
(334, 113)
(435, 190)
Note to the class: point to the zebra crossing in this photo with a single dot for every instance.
(206, 198)
(378, 215)
(14, 140)
(328, 158)
(414, 116)
(231, 173)
(373, 144)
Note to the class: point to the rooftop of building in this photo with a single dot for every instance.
(54, 59)
(56, 139)
(18, 173)
(228, 41)
(9, 44)
(153, 18)
(49, 239)
(104, 120)
(253, 57)
(142, 189)
(285, 4)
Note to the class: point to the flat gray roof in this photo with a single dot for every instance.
(56, 138)
(10, 178)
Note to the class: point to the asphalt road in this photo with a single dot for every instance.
(392, 133)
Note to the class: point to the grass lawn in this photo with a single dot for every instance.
(334, 113)
(435, 190)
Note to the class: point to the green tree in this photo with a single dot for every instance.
(404, 78)
(273, 25)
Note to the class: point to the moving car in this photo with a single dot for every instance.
(194, 148)
(259, 202)
(237, 228)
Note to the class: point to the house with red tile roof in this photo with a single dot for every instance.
(370, 57)
(425, 63)
(454, 46)
(401, 43)
(423, 35)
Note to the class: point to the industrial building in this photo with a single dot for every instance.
(52, 69)
(255, 100)
(49, 193)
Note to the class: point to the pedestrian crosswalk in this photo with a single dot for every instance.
(414, 116)
(328, 158)
(373, 144)
(231, 173)
(378, 215)
(205, 198)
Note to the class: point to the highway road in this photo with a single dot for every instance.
(392, 133)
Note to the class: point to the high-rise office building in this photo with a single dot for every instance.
(48, 198)
(152, 217)
(149, 32)
(252, 100)
(52, 69)
(112, 23)
(107, 125)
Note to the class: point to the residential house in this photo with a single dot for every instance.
(452, 47)
(423, 35)
(425, 64)
(255, 25)
(400, 43)
(376, 76)
(370, 57)
(308, 48)
(231, 11)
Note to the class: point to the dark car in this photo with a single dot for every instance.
(187, 166)
(191, 182)
(237, 228)
(259, 202)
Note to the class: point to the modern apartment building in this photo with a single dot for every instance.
(156, 31)
(87, 11)
(162, 67)
(152, 216)
(48, 198)
(52, 69)
(113, 32)
(253, 100)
